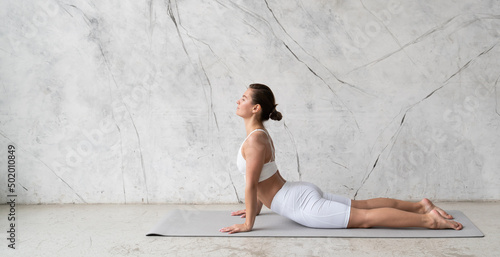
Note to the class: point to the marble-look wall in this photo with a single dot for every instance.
(134, 101)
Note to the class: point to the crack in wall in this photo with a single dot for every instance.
(422, 37)
(210, 95)
(316, 59)
(53, 172)
(341, 165)
(470, 61)
(234, 188)
(209, 48)
(25, 189)
(366, 177)
(6, 137)
(393, 139)
(389, 31)
(66, 10)
(309, 68)
(417, 40)
(59, 177)
(310, 55)
(329, 87)
(172, 17)
(296, 149)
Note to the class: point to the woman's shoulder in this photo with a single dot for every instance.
(257, 138)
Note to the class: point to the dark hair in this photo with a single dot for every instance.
(262, 94)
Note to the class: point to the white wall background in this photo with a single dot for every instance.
(134, 101)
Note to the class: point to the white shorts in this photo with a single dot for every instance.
(307, 205)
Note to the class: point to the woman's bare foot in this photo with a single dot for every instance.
(439, 222)
(428, 206)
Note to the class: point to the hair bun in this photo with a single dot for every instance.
(275, 115)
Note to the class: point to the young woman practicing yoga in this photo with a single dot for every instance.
(304, 202)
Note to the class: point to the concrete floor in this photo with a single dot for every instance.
(119, 230)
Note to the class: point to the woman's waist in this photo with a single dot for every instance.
(268, 188)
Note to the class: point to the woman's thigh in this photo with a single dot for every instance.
(312, 209)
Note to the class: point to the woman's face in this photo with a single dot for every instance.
(245, 106)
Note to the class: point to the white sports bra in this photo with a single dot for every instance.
(268, 170)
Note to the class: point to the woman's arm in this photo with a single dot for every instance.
(255, 157)
(251, 205)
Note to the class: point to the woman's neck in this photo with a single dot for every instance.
(252, 124)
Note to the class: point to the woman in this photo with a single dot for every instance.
(304, 202)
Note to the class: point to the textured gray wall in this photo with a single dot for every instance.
(134, 101)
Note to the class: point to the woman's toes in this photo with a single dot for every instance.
(443, 213)
(439, 222)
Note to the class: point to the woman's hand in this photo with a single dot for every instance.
(241, 213)
(236, 228)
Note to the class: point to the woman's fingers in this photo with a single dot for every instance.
(236, 228)
(231, 230)
(238, 213)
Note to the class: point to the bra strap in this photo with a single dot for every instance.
(268, 139)
(252, 132)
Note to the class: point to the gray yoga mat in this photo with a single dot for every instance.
(203, 223)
